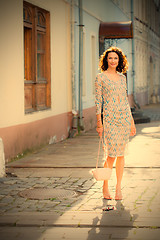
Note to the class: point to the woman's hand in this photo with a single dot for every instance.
(133, 129)
(99, 127)
(99, 130)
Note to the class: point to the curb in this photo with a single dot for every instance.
(76, 220)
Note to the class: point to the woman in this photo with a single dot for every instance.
(118, 123)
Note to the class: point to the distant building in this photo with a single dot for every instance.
(146, 31)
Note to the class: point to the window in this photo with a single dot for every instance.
(37, 80)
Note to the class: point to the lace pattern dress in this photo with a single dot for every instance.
(116, 112)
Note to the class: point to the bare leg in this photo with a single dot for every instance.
(106, 194)
(119, 174)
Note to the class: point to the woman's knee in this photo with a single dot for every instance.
(120, 158)
(109, 162)
(120, 161)
(111, 159)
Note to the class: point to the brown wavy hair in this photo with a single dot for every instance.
(122, 65)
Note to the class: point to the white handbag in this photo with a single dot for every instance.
(101, 174)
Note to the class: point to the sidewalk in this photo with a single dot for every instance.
(75, 208)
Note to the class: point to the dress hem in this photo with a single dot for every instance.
(116, 156)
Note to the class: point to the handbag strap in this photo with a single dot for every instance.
(100, 140)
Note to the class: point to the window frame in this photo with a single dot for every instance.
(37, 91)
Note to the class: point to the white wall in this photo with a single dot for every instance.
(12, 61)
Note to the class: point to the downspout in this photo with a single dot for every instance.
(80, 108)
(72, 58)
(74, 129)
(133, 57)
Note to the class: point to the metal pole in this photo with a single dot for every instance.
(80, 64)
(72, 57)
(133, 60)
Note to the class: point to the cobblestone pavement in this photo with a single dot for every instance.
(139, 194)
(139, 209)
(83, 216)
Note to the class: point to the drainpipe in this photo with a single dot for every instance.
(74, 129)
(72, 57)
(133, 59)
(81, 126)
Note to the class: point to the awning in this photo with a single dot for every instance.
(116, 30)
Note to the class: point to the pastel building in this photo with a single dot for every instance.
(49, 59)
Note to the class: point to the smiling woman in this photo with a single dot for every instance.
(118, 123)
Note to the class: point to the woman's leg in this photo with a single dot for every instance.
(109, 163)
(119, 174)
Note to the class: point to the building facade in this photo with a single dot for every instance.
(40, 64)
(35, 74)
(145, 84)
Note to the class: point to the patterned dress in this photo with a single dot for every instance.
(116, 112)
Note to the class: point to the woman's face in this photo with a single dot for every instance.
(112, 59)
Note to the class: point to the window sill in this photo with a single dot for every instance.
(31, 111)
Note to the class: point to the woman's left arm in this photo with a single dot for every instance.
(133, 127)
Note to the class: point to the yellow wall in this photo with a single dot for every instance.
(12, 62)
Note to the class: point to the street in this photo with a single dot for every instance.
(76, 209)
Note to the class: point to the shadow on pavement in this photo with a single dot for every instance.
(113, 224)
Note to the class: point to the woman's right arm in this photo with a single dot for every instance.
(98, 102)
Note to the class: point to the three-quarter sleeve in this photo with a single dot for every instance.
(98, 94)
(127, 98)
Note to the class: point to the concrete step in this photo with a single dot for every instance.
(139, 116)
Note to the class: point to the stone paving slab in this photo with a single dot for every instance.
(81, 151)
(56, 233)
(79, 219)
(50, 172)
(137, 216)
